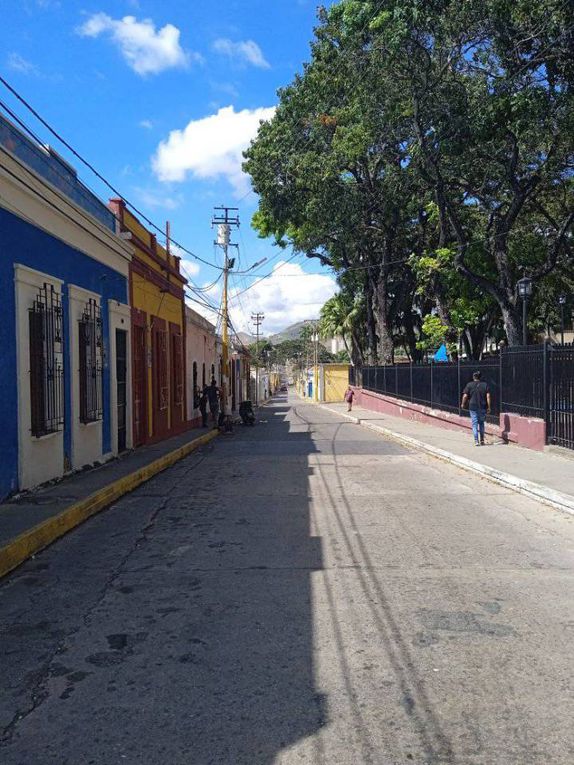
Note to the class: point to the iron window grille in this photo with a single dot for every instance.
(91, 363)
(46, 363)
(162, 370)
(177, 355)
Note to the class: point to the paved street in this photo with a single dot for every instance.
(300, 592)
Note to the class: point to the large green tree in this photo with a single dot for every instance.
(425, 154)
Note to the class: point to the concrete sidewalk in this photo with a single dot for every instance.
(546, 476)
(33, 520)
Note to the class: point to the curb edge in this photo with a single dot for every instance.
(44, 534)
(530, 489)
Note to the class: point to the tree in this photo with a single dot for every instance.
(426, 155)
(340, 317)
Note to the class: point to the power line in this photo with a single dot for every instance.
(266, 276)
(93, 170)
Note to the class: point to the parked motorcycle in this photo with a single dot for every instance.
(246, 413)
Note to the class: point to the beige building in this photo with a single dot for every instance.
(202, 358)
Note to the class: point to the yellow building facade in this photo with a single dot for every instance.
(158, 333)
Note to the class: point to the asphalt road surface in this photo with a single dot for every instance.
(301, 592)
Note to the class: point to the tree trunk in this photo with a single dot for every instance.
(356, 353)
(386, 345)
(371, 326)
(512, 321)
(413, 351)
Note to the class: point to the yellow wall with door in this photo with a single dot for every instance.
(335, 381)
(149, 294)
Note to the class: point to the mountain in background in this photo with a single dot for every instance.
(246, 338)
(289, 333)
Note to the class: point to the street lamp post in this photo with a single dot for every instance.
(524, 287)
(562, 303)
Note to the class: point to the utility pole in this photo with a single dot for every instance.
(257, 319)
(314, 324)
(224, 218)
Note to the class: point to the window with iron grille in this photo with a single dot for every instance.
(91, 363)
(162, 370)
(46, 363)
(177, 369)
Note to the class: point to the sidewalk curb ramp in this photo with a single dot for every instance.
(530, 489)
(38, 537)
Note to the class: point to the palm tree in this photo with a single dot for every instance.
(341, 317)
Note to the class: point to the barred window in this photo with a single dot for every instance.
(46, 363)
(91, 363)
(195, 394)
(177, 369)
(162, 370)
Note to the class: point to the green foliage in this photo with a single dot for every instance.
(434, 333)
(425, 155)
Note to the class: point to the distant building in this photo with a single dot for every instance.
(240, 375)
(334, 344)
(201, 358)
(65, 399)
(158, 333)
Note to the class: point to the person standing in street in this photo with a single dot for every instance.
(202, 404)
(349, 395)
(476, 395)
(212, 393)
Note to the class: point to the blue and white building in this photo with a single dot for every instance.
(65, 368)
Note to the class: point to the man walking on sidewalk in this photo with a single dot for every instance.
(477, 395)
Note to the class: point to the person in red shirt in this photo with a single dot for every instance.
(349, 394)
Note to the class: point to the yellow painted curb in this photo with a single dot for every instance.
(35, 539)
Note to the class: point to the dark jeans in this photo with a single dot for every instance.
(203, 417)
(478, 417)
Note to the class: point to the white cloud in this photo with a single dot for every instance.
(189, 268)
(18, 63)
(145, 49)
(146, 124)
(156, 200)
(211, 147)
(245, 51)
(289, 295)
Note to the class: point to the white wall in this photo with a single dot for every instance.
(86, 437)
(39, 459)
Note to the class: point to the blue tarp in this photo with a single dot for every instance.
(441, 354)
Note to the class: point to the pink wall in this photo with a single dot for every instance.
(200, 348)
(525, 431)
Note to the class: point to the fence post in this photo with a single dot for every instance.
(396, 379)
(545, 360)
(458, 380)
(411, 380)
(500, 399)
(385, 378)
(431, 382)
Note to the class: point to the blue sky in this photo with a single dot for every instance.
(161, 97)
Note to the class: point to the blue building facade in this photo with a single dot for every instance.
(65, 329)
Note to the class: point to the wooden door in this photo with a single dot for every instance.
(160, 377)
(177, 397)
(139, 374)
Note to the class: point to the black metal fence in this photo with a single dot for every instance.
(533, 381)
(560, 420)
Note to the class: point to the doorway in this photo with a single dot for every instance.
(121, 383)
